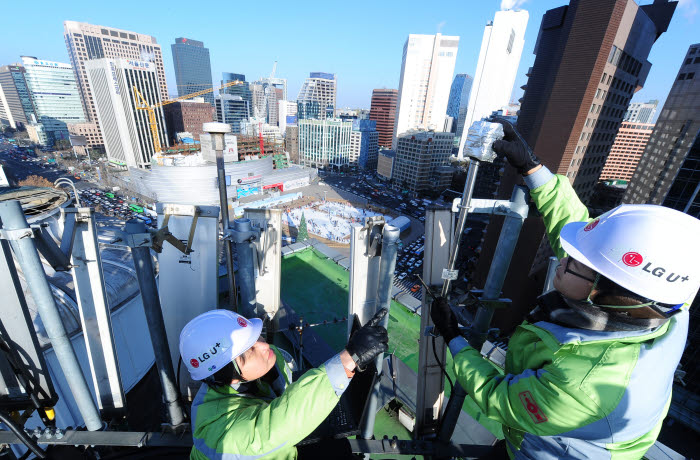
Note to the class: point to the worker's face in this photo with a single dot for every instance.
(257, 361)
(573, 279)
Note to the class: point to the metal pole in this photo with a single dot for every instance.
(492, 291)
(390, 246)
(141, 252)
(25, 251)
(466, 198)
(217, 131)
(499, 265)
(246, 268)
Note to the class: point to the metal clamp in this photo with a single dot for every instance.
(16, 234)
(242, 237)
(139, 240)
(374, 225)
(496, 207)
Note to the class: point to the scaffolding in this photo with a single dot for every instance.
(249, 148)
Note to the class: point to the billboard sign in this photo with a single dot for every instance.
(247, 191)
(248, 179)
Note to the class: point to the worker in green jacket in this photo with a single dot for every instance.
(589, 375)
(247, 406)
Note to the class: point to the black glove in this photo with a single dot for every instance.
(445, 321)
(514, 148)
(369, 341)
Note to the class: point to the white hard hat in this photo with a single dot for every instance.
(650, 250)
(215, 338)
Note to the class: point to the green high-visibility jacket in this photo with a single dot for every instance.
(269, 423)
(573, 393)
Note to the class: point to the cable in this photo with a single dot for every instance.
(442, 368)
(28, 381)
(19, 432)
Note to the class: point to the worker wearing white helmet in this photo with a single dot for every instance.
(589, 374)
(248, 406)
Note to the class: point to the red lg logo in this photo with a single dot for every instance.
(532, 408)
(194, 363)
(590, 226)
(632, 259)
(242, 322)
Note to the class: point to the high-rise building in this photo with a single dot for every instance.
(274, 95)
(192, 67)
(259, 98)
(684, 193)
(54, 94)
(266, 96)
(422, 160)
(291, 142)
(242, 90)
(630, 142)
(460, 103)
(383, 111)
(6, 118)
(324, 143)
(126, 130)
(499, 58)
(612, 59)
(364, 145)
(287, 114)
(317, 97)
(590, 58)
(424, 87)
(232, 110)
(253, 127)
(674, 134)
(385, 164)
(187, 116)
(17, 107)
(641, 112)
(461, 86)
(88, 41)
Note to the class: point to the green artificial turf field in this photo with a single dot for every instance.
(317, 289)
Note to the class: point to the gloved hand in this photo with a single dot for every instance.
(445, 321)
(368, 341)
(514, 148)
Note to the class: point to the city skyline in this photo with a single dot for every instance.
(297, 55)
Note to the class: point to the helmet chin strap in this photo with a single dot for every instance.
(237, 374)
(583, 314)
(662, 309)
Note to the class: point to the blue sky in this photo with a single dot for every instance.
(360, 41)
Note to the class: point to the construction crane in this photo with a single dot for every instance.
(262, 143)
(142, 104)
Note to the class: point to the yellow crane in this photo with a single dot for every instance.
(142, 104)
